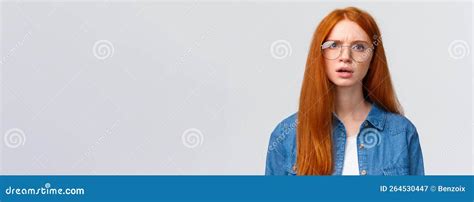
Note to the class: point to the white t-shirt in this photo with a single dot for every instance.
(351, 161)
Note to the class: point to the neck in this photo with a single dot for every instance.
(350, 103)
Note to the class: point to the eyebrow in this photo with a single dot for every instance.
(352, 42)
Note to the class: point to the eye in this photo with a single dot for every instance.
(360, 47)
(329, 45)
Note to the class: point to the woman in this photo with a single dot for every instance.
(349, 120)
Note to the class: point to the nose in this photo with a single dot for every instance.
(345, 55)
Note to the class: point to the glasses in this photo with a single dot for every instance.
(360, 51)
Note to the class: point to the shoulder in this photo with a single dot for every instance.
(284, 134)
(281, 148)
(399, 124)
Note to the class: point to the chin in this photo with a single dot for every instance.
(344, 82)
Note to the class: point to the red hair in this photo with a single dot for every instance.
(315, 119)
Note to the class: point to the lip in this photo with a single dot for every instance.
(345, 72)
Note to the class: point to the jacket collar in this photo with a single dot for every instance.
(376, 116)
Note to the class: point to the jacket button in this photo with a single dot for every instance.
(361, 146)
(365, 124)
(363, 172)
(294, 168)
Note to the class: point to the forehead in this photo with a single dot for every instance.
(347, 31)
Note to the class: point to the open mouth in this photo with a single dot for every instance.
(345, 72)
(345, 69)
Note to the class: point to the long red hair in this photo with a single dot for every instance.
(315, 119)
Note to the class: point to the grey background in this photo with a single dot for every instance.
(166, 67)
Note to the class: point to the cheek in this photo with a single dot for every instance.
(363, 69)
(331, 65)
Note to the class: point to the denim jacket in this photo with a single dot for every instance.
(387, 144)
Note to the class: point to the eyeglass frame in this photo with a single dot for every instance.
(371, 48)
